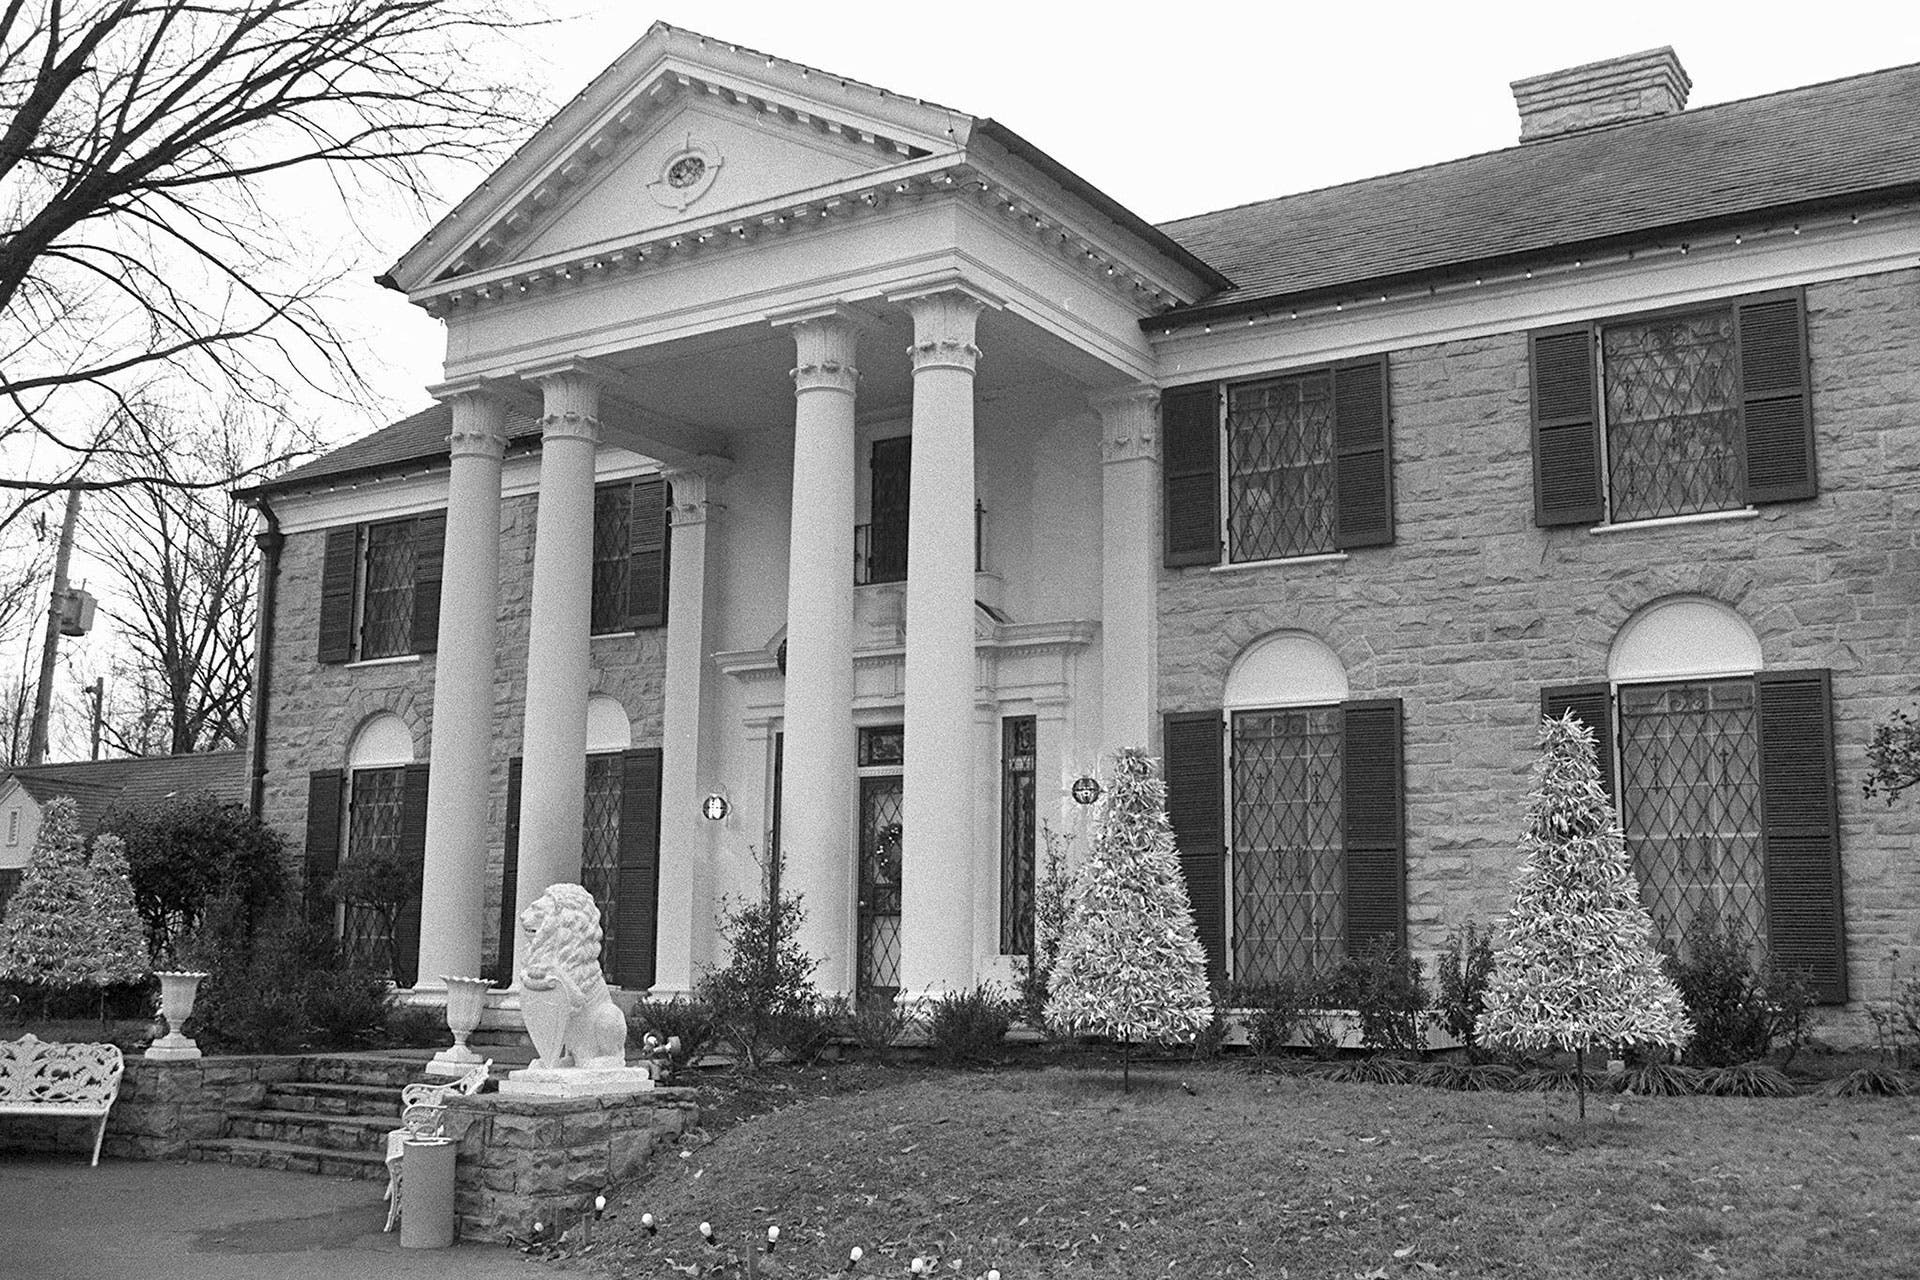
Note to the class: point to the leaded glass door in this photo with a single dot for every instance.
(374, 804)
(877, 977)
(1288, 874)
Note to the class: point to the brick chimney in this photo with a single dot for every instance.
(1637, 86)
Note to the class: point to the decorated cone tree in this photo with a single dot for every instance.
(121, 948)
(51, 938)
(1577, 969)
(1130, 964)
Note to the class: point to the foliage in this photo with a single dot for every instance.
(768, 976)
(412, 1026)
(1049, 926)
(1653, 1079)
(1870, 1082)
(1577, 970)
(1382, 986)
(1130, 964)
(383, 881)
(188, 855)
(161, 159)
(70, 924)
(1893, 756)
(1747, 1080)
(1740, 1010)
(969, 1026)
(1896, 1020)
(873, 1026)
(1462, 970)
(689, 1020)
(283, 989)
(1377, 1070)
(804, 1031)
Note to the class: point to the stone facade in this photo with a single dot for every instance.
(314, 708)
(1473, 610)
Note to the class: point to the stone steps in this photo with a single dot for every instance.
(334, 1099)
(292, 1157)
(367, 1134)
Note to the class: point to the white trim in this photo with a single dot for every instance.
(1285, 669)
(372, 498)
(398, 659)
(628, 634)
(1662, 522)
(1683, 638)
(376, 743)
(1238, 566)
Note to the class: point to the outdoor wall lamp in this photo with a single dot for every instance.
(1085, 790)
(715, 807)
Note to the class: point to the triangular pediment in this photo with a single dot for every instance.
(679, 129)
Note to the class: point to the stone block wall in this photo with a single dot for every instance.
(315, 708)
(1473, 610)
(524, 1160)
(162, 1107)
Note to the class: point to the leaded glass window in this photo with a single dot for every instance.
(600, 846)
(1018, 820)
(612, 543)
(386, 620)
(1287, 842)
(1280, 476)
(1673, 416)
(1690, 804)
(373, 830)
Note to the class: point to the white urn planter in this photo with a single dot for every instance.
(178, 990)
(466, 1001)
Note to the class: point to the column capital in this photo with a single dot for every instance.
(570, 389)
(479, 417)
(944, 321)
(1129, 422)
(824, 341)
(692, 483)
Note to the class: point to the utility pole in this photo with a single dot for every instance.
(43, 699)
(99, 692)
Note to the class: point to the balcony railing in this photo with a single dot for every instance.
(882, 557)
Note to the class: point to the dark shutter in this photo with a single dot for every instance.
(1363, 455)
(1190, 474)
(1373, 824)
(338, 570)
(1196, 805)
(1592, 705)
(510, 875)
(429, 553)
(1774, 404)
(647, 554)
(413, 847)
(889, 501)
(1801, 826)
(325, 793)
(1566, 429)
(636, 893)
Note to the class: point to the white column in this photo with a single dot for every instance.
(453, 887)
(937, 860)
(688, 765)
(817, 790)
(553, 772)
(1129, 566)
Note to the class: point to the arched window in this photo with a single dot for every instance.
(1313, 795)
(1722, 772)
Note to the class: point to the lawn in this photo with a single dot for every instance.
(1216, 1171)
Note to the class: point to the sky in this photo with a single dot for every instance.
(1172, 109)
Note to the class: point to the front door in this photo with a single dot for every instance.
(878, 975)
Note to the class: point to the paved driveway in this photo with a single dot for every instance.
(61, 1220)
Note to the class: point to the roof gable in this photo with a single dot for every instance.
(599, 169)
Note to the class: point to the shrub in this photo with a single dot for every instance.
(804, 1031)
(1869, 1082)
(690, 1020)
(187, 853)
(873, 1026)
(1747, 1080)
(767, 977)
(1657, 1080)
(1382, 986)
(412, 1026)
(969, 1026)
(71, 927)
(1049, 925)
(1369, 1071)
(1462, 972)
(1740, 1010)
(282, 987)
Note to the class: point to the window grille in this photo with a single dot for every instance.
(612, 544)
(1287, 842)
(373, 830)
(1018, 820)
(1673, 416)
(878, 974)
(386, 627)
(1690, 804)
(1280, 479)
(600, 846)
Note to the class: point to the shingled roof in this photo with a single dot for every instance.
(98, 785)
(1845, 141)
(414, 440)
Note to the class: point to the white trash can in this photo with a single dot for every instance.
(426, 1193)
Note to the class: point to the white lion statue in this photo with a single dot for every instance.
(569, 1013)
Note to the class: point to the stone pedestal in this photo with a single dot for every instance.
(576, 1082)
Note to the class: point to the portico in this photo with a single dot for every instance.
(816, 270)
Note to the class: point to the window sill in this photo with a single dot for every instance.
(628, 634)
(398, 659)
(1325, 557)
(1664, 522)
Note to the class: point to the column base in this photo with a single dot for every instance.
(453, 1061)
(173, 1047)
